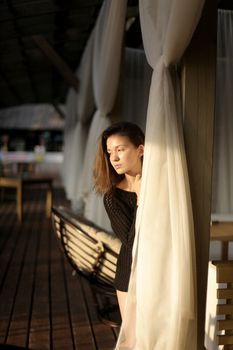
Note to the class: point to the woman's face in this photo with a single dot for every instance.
(124, 156)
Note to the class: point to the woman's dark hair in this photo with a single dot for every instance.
(105, 176)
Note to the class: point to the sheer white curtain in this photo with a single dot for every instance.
(80, 107)
(135, 88)
(161, 304)
(70, 121)
(108, 40)
(85, 109)
(222, 205)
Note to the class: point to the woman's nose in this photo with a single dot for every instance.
(114, 156)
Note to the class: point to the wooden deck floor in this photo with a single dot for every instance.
(42, 304)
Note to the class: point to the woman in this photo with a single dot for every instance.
(117, 175)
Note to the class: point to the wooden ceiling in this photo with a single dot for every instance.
(41, 43)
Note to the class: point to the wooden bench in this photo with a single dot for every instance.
(93, 254)
(20, 183)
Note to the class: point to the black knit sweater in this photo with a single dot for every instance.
(121, 208)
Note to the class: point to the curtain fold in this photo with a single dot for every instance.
(80, 108)
(93, 204)
(108, 41)
(222, 202)
(134, 87)
(70, 121)
(85, 108)
(161, 303)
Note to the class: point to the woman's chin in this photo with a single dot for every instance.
(119, 171)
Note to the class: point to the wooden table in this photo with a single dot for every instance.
(223, 232)
(21, 182)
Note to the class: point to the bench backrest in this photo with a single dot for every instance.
(91, 251)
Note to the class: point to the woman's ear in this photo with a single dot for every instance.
(141, 150)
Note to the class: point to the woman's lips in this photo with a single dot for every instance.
(117, 166)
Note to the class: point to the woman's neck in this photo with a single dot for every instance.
(127, 183)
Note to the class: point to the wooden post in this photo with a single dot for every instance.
(198, 94)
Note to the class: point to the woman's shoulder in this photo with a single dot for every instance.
(117, 194)
(109, 194)
(109, 200)
(112, 194)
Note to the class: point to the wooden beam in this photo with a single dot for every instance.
(56, 60)
(198, 93)
(59, 110)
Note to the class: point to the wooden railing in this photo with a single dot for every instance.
(224, 276)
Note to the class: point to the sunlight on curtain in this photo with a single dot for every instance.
(108, 42)
(222, 204)
(161, 304)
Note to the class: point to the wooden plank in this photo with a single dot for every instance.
(62, 335)
(198, 94)
(225, 309)
(39, 334)
(221, 231)
(225, 339)
(8, 222)
(225, 324)
(11, 325)
(9, 237)
(23, 299)
(225, 272)
(82, 328)
(225, 293)
(104, 340)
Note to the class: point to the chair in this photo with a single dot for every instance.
(92, 252)
(224, 271)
